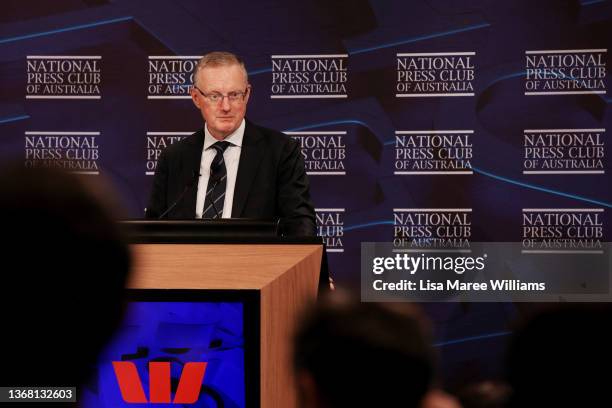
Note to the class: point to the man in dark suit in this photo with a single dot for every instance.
(231, 168)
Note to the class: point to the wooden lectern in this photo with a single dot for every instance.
(285, 273)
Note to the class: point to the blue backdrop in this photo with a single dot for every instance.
(401, 107)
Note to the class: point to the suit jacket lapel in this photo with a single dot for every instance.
(251, 155)
(191, 163)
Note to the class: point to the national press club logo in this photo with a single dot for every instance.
(324, 152)
(77, 152)
(562, 230)
(564, 151)
(309, 76)
(170, 77)
(156, 143)
(330, 227)
(434, 74)
(432, 229)
(63, 77)
(565, 72)
(433, 152)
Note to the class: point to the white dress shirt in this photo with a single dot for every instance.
(231, 156)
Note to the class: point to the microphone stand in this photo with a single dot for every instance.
(195, 176)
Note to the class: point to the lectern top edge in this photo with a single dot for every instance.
(234, 231)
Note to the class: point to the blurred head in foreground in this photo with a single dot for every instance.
(350, 354)
(64, 269)
(562, 357)
(485, 394)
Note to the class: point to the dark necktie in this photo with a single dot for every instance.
(215, 191)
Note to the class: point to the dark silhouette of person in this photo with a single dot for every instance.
(352, 354)
(64, 269)
(561, 358)
(484, 394)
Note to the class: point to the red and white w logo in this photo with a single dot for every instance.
(132, 391)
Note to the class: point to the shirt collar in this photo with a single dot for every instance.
(235, 138)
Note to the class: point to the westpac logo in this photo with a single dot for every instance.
(132, 391)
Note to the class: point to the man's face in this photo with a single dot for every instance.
(224, 116)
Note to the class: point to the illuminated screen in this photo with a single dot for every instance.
(176, 330)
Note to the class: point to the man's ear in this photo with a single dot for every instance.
(249, 91)
(194, 97)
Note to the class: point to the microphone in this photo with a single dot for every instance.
(277, 226)
(194, 176)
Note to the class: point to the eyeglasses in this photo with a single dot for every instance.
(233, 97)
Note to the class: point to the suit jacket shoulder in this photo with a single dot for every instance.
(272, 180)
